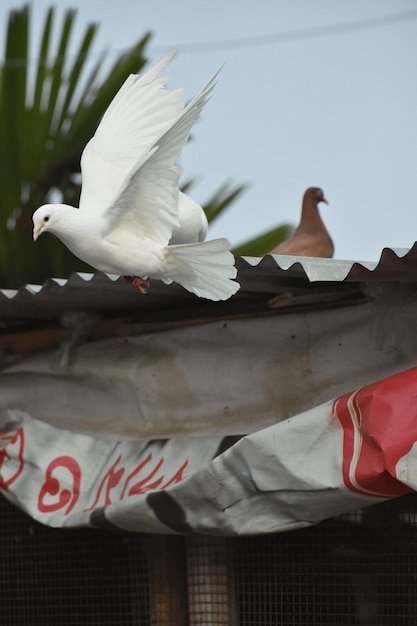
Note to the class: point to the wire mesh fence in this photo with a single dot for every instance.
(210, 582)
(358, 569)
(71, 578)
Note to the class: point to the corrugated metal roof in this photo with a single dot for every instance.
(397, 264)
(271, 275)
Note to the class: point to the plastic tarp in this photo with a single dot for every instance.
(355, 451)
(134, 433)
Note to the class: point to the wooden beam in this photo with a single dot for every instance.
(167, 578)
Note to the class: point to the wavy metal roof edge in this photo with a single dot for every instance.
(394, 263)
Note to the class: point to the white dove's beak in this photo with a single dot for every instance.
(36, 232)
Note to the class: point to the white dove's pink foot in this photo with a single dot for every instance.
(138, 283)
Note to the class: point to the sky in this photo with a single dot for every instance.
(312, 93)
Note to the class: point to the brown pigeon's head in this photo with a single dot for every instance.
(316, 194)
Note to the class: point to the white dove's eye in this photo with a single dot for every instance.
(46, 218)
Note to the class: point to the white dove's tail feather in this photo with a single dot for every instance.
(206, 269)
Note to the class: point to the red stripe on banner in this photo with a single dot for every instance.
(379, 425)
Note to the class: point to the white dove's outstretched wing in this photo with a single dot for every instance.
(148, 202)
(141, 112)
(130, 201)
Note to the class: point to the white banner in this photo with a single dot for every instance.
(355, 451)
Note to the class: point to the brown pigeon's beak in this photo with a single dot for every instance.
(36, 232)
(324, 200)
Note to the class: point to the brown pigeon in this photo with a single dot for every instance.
(310, 238)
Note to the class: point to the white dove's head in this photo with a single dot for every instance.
(47, 217)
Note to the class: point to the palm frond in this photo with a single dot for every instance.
(45, 122)
(221, 199)
(264, 243)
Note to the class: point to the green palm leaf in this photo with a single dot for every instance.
(264, 243)
(221, 200)
(44, 126)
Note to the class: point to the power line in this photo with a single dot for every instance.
(299, 34)
(295, 35)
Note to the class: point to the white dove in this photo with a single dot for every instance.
(130, 206)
